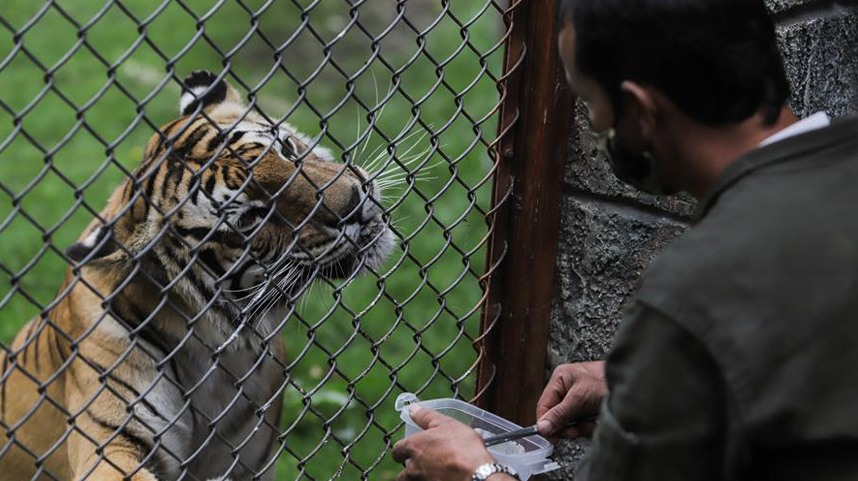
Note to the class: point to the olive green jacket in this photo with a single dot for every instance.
(739, 357)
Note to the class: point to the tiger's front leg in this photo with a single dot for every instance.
(120, 460)
(112, 439)
(115, 466)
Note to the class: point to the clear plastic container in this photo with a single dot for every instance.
(536, 449)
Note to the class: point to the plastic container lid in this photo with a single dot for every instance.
(528, 456)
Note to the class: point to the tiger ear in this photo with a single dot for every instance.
(204, 87)
(97, 245)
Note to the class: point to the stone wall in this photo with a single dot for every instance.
(610, 232)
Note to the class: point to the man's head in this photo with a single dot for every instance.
(642, 65)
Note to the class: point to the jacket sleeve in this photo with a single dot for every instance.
(664, 418)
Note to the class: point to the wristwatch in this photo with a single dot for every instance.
(483, 472)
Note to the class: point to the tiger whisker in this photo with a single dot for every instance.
(284, 260)
(244, 289)
(406, 180)
(376, 155)
(390, 168)
(398, 220)
(369, 135)
(274, 295)
(271, 303)
(377, 116)
(416, 142)
(392, 173)
(307, 296)
(286, 264)
(260, 287)
(384, 160)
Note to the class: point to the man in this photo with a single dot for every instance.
(738, 359)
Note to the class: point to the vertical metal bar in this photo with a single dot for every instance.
(534, 133)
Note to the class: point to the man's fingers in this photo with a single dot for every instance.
(582, 400)
(427, 418)
(556, 418)
(405, 475)
(402, 450)
(574, 405)
(549, 398)
(551, 395)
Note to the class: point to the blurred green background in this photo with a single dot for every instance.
(81, 91)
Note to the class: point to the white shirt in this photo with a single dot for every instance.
(814, 122)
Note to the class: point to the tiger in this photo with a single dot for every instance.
(160, 358)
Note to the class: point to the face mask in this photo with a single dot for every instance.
(636, 169)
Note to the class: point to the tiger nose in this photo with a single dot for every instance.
(345, 208)
(353, 210)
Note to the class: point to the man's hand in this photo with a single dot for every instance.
(446, 450)
(574, 392)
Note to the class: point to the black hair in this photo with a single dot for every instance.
(718, 60)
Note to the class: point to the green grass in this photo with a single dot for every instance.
(62, 155)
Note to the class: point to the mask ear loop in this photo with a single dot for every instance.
(651, 182)
(607, 142)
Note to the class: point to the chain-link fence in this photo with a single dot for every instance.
(304, 238)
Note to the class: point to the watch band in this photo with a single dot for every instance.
(483, 472)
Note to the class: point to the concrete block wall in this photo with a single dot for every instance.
(610, 232)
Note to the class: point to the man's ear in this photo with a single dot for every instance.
(97, 245)
(642, 103)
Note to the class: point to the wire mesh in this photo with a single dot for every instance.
(287, 257)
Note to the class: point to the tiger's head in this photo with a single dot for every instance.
(234, 214)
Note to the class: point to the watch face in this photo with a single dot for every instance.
(484, 472)
(487, 470)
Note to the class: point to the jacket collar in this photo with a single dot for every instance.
(788, 149)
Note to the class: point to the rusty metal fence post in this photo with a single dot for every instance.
(534, 131)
